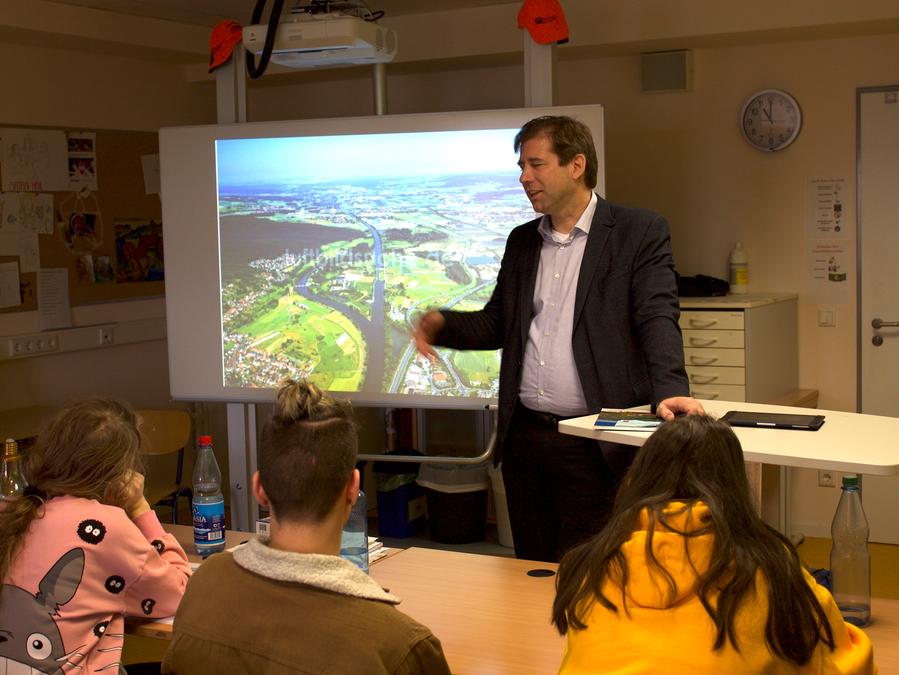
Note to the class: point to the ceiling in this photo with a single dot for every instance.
(210, 12)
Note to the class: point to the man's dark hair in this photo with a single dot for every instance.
(307, 451)
(569, 137)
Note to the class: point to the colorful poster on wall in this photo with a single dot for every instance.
(828, 209)
(139, 255)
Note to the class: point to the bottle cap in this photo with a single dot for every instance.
(204, 440)
(850, 480)
(10, 447)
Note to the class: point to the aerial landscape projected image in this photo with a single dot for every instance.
(331, 245)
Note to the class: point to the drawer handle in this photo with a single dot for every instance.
(703, 323)
(703, 395)
(703, 379)
(703, 360)
(703, 342)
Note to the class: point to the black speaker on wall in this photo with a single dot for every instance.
(666, 71)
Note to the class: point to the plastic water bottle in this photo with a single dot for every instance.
(850, 560)
(739, 269)
(11, 481)
(354, 539)
(208, 501)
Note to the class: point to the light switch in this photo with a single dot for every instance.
(827, 317)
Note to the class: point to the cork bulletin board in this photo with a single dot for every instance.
(107, 232)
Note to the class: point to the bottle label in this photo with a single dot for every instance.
(209, 523)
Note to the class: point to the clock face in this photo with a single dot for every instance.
(770, 120)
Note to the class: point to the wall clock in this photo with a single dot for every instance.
(770, 120)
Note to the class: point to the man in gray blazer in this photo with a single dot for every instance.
(585, 310)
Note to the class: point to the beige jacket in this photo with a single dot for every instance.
(262, 610)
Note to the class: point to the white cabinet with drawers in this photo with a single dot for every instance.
(741, 347)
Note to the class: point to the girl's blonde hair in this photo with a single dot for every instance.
(88, 450)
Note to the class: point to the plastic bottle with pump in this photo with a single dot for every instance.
(354, 538)
(739, 269)
(208, 501)
(850, 560)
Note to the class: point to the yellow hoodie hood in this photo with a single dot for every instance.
(682, 545)
(660, 631)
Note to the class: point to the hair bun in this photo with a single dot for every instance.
(298, 399)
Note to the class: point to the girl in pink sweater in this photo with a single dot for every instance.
(82, 548)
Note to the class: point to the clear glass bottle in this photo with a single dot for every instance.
(12, 483)
(850, 560)
(208, 501)
(354, 539)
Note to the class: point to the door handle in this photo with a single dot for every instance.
(877, 324)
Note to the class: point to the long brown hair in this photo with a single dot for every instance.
(307, 451)
(692, 459)
(88, 450)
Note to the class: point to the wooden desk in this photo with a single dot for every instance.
(849, 442)
(490, 616)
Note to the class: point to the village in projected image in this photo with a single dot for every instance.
(330, 246)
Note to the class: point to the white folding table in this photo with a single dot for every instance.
(848, 442)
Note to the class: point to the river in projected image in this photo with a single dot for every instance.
(322, 279)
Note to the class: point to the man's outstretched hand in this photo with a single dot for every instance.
(425, 331)
(678, 405)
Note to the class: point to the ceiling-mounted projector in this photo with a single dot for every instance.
(314, 40)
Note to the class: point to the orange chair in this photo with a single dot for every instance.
(163, 432)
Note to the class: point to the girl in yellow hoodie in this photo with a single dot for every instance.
(686, 578)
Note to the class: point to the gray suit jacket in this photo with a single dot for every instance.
(627, 344)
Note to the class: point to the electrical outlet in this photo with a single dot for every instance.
(827, 478)
(106, 335)
(29, 345)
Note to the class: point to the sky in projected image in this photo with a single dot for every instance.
(331, 244)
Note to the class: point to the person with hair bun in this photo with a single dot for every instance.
(289, 603)
(687, 578)
(82, 548)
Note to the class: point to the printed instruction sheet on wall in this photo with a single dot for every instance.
(829, 268)
(828, 235)
(828, 211)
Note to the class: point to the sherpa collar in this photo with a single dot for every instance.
(328, 572)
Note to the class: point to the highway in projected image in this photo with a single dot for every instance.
(322, 275)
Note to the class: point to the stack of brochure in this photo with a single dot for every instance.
(376, 549)
(626, 420)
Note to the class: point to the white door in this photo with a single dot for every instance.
(878, 288)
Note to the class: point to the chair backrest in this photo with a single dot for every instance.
(163, 431)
